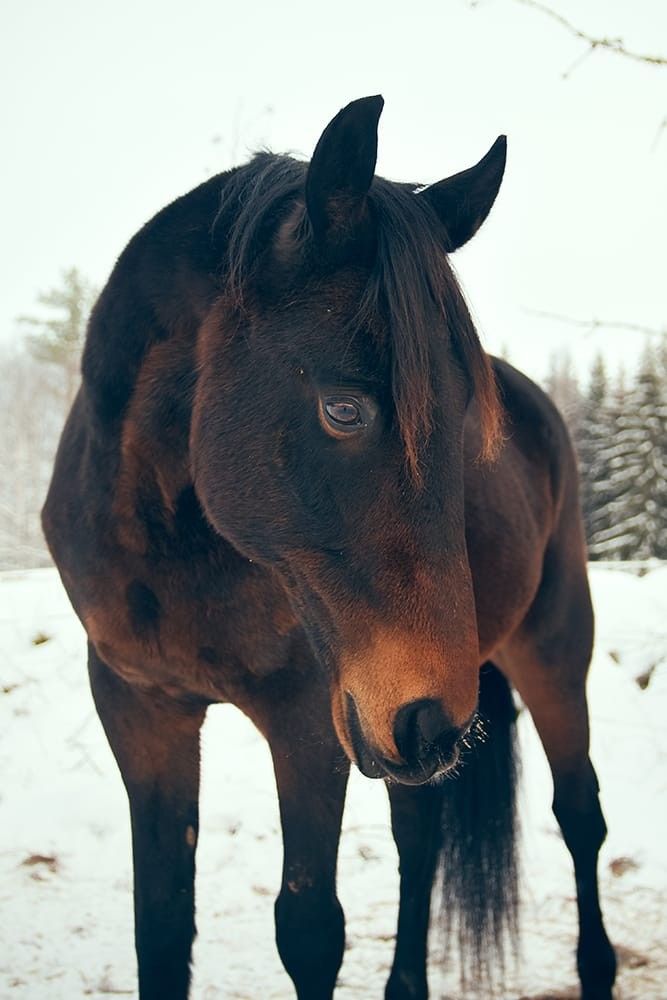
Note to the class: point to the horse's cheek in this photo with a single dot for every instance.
(220, 463)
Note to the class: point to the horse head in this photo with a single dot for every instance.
(335, 374)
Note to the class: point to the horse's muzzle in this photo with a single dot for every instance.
(425, 739)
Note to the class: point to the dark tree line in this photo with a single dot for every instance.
(619, 428)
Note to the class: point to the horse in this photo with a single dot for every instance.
(293, 481)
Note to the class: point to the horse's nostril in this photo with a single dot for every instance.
(421, 729)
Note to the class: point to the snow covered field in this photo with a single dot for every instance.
(65, 883)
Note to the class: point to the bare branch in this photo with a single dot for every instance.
(592, 325)
(610, 44)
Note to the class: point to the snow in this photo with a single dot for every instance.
(65, 889)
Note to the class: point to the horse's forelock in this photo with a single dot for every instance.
(414, 286)
(255, 204)
(409, 285)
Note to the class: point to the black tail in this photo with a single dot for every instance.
(478, 854)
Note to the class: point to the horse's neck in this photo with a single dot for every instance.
(160, 289)
(139, 360)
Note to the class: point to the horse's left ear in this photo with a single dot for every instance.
(463, 201)
(342, 169)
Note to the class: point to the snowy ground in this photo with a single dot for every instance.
(65, 882)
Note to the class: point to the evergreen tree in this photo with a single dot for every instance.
(613, 525)
(40, 377)
(661, 547)
(647, 406)
(562, 385)
(627, 513)
(592, 436)
(58, 340)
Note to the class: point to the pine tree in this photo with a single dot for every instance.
(661, 544)
(592, 437)
(40, 377)
(628, 500)
(647, 406)
(562, 385)
(614, 524)
(58, 339)
(609, 535)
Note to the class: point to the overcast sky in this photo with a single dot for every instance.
(110, 110)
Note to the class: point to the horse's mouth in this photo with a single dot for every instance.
(433, 764)
(424, 772)
(403, 774)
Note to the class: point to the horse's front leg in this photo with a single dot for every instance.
(156, 744)
(415, 822)
(311, 775)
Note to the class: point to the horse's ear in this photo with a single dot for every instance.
(463, 201)
(342, 168)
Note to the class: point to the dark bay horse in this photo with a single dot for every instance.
(292, 480)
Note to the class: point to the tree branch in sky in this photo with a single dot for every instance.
(591, 325)
(611, 44)
(593, 42)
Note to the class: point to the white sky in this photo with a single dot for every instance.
(110, 110)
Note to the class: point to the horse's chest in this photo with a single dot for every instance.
(185, 635)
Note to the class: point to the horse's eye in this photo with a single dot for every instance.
(342, 415)
(344, 411)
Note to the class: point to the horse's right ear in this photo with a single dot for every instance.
(342, 169)
(464, 200)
